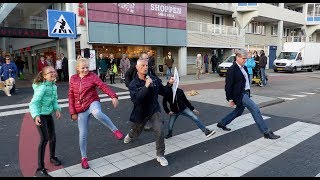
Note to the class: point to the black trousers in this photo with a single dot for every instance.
(59, 71)
(47, 133)
(103, 77)
(112, 78)
(65, 75)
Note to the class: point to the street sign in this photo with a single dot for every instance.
(61, 24)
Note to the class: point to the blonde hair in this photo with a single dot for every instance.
(81, 61)
(198, 55)
(39, 77)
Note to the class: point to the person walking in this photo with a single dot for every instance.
(9, 69)
(103, 67)
(151, 62)
(112, 65)
(84, 101)
(65, 69)
(42, 63)
(43, 103)
(206, 63)
(198, 66)
(181, 106)
(214, 63)
(250, 64)
(262, 65)
(237, 93)
(144, 90)
(59, 68)
(256, 71)
(168, 61)
(124, 65)
(20, 66)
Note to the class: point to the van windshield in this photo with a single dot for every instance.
(288, 55)
(230, 59)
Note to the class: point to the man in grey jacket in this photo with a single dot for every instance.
(262, 66)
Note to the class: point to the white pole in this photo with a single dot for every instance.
(71, 49)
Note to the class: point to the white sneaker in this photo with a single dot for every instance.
(162, 160)
(127, 139)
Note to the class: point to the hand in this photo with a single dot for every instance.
(148, 82)
(171, 80)
(196, 111)
(115, 102)
(74, 117)
(231, 103)
(37, 120)
(58, 114)
(170, 113)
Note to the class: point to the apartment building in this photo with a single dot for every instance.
(187, 29)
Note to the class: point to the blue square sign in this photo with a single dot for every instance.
(61, 24)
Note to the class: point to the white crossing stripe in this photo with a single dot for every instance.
(240, 161)
(60, 100)
(318, 175)
(307, 93)
(285, 98)
(23, 111)
(138, 155)
(296, 95)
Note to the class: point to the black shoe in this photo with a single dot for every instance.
(55, 161)
(209, 133)
(270, 135)
(223, 127)
(42, 173)
(168, 136)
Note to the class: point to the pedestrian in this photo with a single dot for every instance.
(9, 69)
(168, 61)
(237, 93)
(20, 66)
(43, 103)
(124, 65)
(214, 63)
(112, 67)
(144, 90)
(151, 62)
(42, 63)
(132, 73)
(65, 69)
(206, 63)
(84, 101)
(2, 60)
(59, 68)
(181, 106)
(262, 66)
(49, 60)
(198, 66)
(250, 64)
(256, 71)
(103, 67)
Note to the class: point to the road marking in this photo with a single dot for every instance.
(22, 111)
(318, 175)
(308, 93)
(241, 160)
(296, 95)
(138, 155)
(59, 100)
(286, 98)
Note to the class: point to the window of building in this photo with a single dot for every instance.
(247, 4)
(255, 28)
(217, 21)
(274, 30)
(286, 32)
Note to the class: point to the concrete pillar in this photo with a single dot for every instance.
(280, 36)
(182, 61)
(71, 49)
(29, 62)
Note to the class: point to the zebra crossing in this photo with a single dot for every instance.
(299, 95)
(223, 160)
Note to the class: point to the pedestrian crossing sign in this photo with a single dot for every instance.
(61, 24)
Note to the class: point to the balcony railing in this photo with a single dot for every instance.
(201, 27)
(295, 39)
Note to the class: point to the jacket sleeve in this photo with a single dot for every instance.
(164, 104)
(14, 70)
(105, 88)
(137, 94)
(35, 104)
(229, 82)
(55, 101)
(72, 108)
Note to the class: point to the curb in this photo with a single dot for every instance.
(270, 103)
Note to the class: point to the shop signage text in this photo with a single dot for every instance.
(165, 10)
(24, 33)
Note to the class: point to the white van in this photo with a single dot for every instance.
(223, 67)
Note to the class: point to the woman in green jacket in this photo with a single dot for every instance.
(43, 103)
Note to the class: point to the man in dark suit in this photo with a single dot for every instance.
(65, 69)
(237, 89)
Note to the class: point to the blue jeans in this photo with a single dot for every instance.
(188, 113)
(83, 124)
(206, 65)
(263, 76)
(250, 79)
(169, 72)
(254, 110)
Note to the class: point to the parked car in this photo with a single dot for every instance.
(223, 67)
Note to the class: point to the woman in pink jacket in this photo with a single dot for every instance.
(84, 100)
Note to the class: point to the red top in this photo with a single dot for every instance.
(42, 65)
(82, 92)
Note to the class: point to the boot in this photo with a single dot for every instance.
(169, 135)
